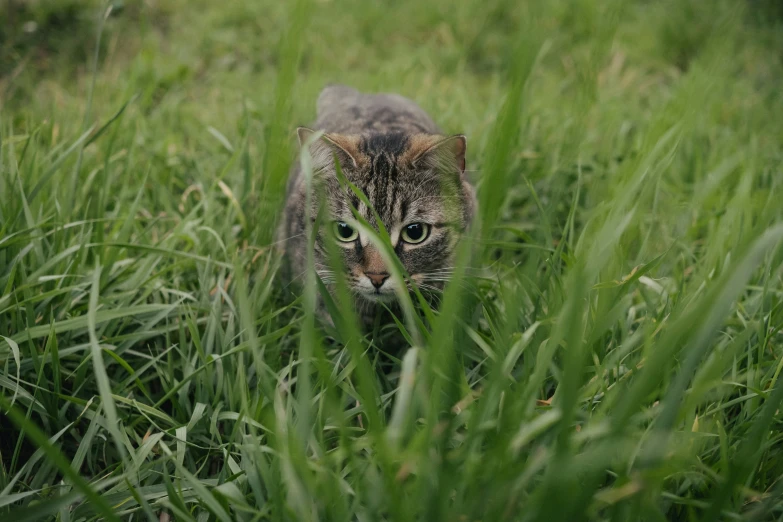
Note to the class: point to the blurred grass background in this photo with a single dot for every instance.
(624, 359)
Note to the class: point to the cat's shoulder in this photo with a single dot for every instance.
(343, 106)
(336, 94)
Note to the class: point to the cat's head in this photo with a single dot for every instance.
(415, 183)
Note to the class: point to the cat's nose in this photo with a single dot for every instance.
(377, 279)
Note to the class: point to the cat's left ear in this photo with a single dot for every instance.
(444, 153)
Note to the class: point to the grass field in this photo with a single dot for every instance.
(622, 360)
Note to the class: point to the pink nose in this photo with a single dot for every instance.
(377, 279)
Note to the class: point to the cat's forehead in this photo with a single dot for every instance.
(388, 144)
(395, 198)
(390, 158)
(397, 189)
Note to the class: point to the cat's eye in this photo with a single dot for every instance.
(415, 233)
(344, 232)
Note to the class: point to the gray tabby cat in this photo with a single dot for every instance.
(413, 176)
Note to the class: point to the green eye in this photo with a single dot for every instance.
(344, 232)
(415, 233)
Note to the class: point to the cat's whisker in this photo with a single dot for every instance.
(462, 284)
(434, 272)
(437, 275)
(475, 273)
(431, 290)
(452, 269)
(283, 240)
(425, 198)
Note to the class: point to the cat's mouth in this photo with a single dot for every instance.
(378, 296)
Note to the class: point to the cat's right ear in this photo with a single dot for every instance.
(324, 149)
(303, 133)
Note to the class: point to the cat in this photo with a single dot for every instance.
(414, 178)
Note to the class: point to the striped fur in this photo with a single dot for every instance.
(389, 148)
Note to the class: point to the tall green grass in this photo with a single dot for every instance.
(617, 356)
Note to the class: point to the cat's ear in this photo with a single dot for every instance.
(323, 149)
(303, 133)
(439, 152)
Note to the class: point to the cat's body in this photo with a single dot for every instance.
(413, 177)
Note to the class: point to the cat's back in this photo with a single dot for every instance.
(344, 110)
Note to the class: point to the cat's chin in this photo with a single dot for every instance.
(375, 297)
